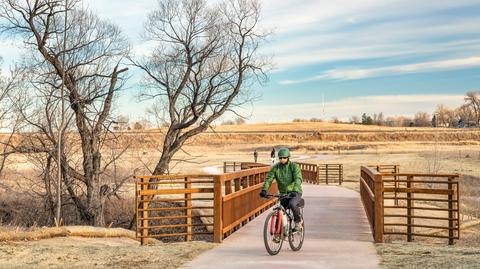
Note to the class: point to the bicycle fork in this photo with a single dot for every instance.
(276, 223)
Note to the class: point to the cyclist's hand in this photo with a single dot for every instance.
(292, 194)
(263, 194)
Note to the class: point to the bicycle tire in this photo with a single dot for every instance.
(268, 239)
(294, 245)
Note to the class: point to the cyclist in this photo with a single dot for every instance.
(289, 179)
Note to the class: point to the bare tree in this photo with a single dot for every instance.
(422, 119)
(444, 116)
(205, 60)
(472, 100)
(355, 119)
(91, 64)
(10, 122)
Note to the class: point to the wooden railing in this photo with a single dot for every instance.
(330, 173)
(437, 216)
(166, 206)
(237, 200)
(389, 169)
(237, 166)
(161, 199)
(309, 172)
(371, 193)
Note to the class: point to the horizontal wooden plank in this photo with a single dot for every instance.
(419, 190)
(175, 191)
(172, 226)
(417, 217)
(419, 199)
(244, 173)
(422, 181)
(176, 182)
(172, 176)
(174, 200)
(176, 217)
(253, 212)
(426, 235)
(369, 191)
(421, 226)
(233, 195)
(173, 234)
(175, 208)
(420, 175)
(421, 208)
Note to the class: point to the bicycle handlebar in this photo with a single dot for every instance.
(276, 195)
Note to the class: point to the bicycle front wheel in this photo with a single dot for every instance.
(273, 233)
(295, 238)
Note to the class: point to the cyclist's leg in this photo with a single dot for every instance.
(293, 205)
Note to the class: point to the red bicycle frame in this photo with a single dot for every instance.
(277, 221)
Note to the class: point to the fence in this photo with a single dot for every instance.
(172, 205)
(309, 172)
(230, 200)
(330, 173)
(437, 216)
(237, 166)
(237, 200)
(389, 169)
(165, 204)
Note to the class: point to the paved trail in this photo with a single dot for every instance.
(337, 236)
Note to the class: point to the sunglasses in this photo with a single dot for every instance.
(282, 158)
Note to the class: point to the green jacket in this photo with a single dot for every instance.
(288, 176)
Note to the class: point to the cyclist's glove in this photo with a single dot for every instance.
(263, 193)
(292, 194)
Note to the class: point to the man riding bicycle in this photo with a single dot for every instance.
(289, 179)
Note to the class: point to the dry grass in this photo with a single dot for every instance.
(79, 252)
(36, 233)
(423, 256)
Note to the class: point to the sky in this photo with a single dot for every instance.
(340, 58)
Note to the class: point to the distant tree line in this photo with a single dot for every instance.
(467, 115)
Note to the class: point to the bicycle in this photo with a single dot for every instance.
(279, 225)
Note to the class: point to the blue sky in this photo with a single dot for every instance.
(342, 58)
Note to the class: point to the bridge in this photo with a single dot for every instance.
(341, 225)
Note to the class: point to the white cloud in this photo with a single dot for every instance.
(350, 74)
(312, 32)
(406, 105)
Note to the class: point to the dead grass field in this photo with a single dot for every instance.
(81, 253)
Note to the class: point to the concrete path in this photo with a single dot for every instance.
(337, 236)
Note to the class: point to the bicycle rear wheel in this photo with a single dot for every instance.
(273, 233)
(295, 239)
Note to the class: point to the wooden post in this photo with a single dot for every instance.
(378, 192)
(217, 211)
(224, 167)
(228, 187)
(450, 212)
(341, 174)
(188, 210)
(136, 207)
(237, 184)
(409, 210)
(396, 183)
(326, 174)
(144, 239)
(458, 207)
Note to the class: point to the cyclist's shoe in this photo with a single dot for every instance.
(298, 226)
(276, 239)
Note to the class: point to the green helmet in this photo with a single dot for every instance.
(284, 152)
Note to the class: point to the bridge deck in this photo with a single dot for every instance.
(337, 236)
